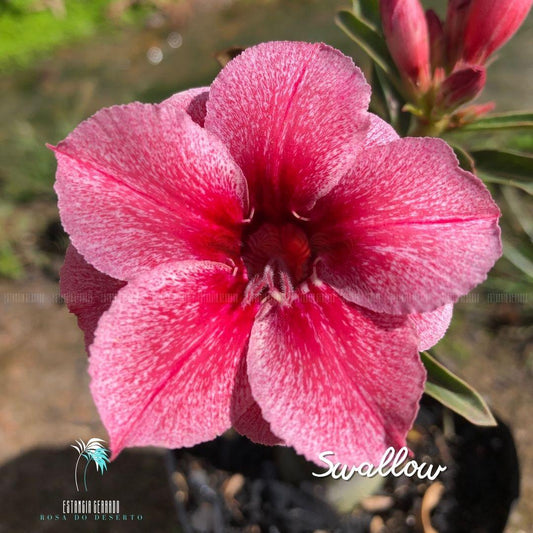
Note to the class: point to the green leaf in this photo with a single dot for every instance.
(455, 394)
(504, 163)
(501, 121)
(518, 259)
(519, 184)
(465, 160)
(369, 39)
(391, 101)
(368, 9)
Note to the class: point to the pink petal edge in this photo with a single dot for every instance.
(430, 327)
(86, 291)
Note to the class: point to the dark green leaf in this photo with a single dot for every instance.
(393, 101)
(455, 394)
(501, 121)
(381, 97)
(504, 163)
(369, 10)
(465, 160)
(369, 39)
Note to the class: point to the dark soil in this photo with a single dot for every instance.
(231, 485)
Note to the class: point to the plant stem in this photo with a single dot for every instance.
(429, 128)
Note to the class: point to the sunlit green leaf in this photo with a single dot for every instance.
(501, 121)
(455, 394)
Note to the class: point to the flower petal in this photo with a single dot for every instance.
(247, 417)
(330, 375)
(406, 230)
(87, 292)
(293, 116)
(166, 355)
(141, 185)
(379, 132)
(431, 326)
(193, 102)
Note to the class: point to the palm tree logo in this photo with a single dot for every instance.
(94, 451)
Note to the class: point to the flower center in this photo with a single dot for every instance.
(280, 248)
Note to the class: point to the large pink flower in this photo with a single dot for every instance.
(275, 255)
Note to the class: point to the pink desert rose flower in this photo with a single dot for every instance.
(265, 254)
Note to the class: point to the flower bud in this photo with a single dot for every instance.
(471, 113)
(490, 24)
(456, 17)
(461, 87)
(406, 33)
(436, 39)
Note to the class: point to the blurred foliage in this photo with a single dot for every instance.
(29, 28)
(10, 266)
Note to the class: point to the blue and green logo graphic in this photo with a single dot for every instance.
(93, 451)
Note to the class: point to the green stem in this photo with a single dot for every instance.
(429, 128)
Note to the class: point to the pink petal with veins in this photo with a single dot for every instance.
(293, 116)
(329, 375)
(406, 231)
(167, 354)
(141, 185)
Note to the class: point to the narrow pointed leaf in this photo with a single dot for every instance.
(501, 122)
(504, 163)
(518, 259)
(368, 9)
(455, 394)
(368, 38)
(465, 160)
(392, 100)
(519, 184)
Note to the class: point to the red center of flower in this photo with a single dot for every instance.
(284, 248)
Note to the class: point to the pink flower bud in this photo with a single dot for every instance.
(490, 24)
(460, 87)
(406, 33)
(471, 113)
(456, 18)
(436, 39)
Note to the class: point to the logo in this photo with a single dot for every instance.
(94, 451)
(93, 509)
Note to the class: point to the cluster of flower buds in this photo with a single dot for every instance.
(442, 64)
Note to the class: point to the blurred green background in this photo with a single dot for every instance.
(61, 60)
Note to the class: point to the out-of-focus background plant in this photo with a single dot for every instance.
(61, 60)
